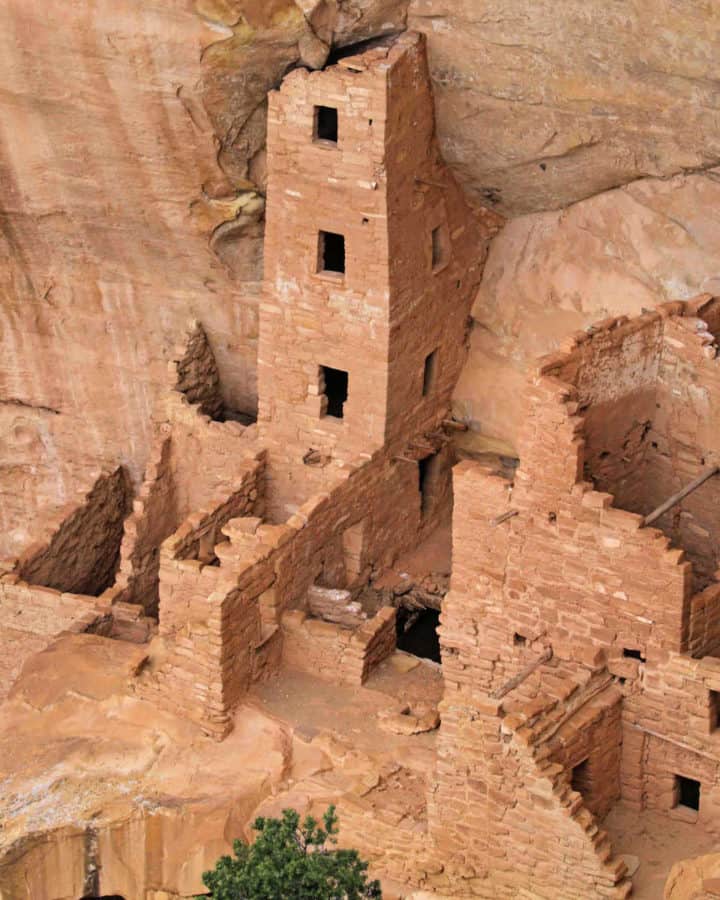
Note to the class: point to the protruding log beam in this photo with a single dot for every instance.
(512, 683)
(676, 498)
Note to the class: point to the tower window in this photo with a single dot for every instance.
(326, 124)
(334, 384)
(440, 247)
(714, 710)
(687, 792)
(429, 372)
(331, 252)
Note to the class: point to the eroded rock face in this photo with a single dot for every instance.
(541, 104)
(132, 166)
(556, 272)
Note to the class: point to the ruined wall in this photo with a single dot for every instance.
(504, 806)
(197, 374)
(84, 552)
(153, 516)
(334, 653)
(221, 622)
(548, 562)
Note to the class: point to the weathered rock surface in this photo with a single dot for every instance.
(552, 273)
(132, 166)
(694, 879)
(541, 104)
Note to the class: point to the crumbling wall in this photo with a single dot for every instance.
(197, 373)
(504, 807)
(220, 623)
(154, 515)
(643, 389)
(334, 653)
(83, 554)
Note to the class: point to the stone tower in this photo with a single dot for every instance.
(371, 260)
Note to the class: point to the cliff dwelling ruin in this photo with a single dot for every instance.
(502, 664)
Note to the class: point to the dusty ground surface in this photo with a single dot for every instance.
(79, 755)
(659, 842)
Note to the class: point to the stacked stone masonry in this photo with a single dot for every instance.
(580, 648)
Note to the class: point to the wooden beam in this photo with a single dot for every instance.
(512, 683)
(676, 498)
(503, 517)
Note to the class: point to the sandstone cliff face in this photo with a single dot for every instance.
(132, 169)
(552, 273)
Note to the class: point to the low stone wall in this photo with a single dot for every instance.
(335, 653)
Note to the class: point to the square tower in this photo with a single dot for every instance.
(371, 261)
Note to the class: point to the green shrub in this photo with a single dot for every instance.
(289, 861)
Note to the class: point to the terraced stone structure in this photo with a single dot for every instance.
(245, 599)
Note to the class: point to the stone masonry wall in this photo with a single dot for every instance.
(154, 513)
(197, 373)
(334, 653)
(568, 572)
(83, 554)
(220, 623)
(392, 307)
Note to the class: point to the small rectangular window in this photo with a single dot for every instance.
(630, 653)
(714, 710)
(331, 252)
(326, 124)
(429, 372)
(440, 247)
(687, 792)
(334, 385)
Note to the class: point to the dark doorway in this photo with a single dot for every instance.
(331, 252)
(687, 792)
(427, 481)
(417, 632)
(335, 388)
(580, 780)
(326, 124)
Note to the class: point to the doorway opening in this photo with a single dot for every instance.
(417, 632)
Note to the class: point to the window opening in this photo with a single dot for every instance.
(429, 372)
(519, 639)
(629, 653)
(334, 384)
(687, 792)
(326, 124)
(714, 710)
(331, 252)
